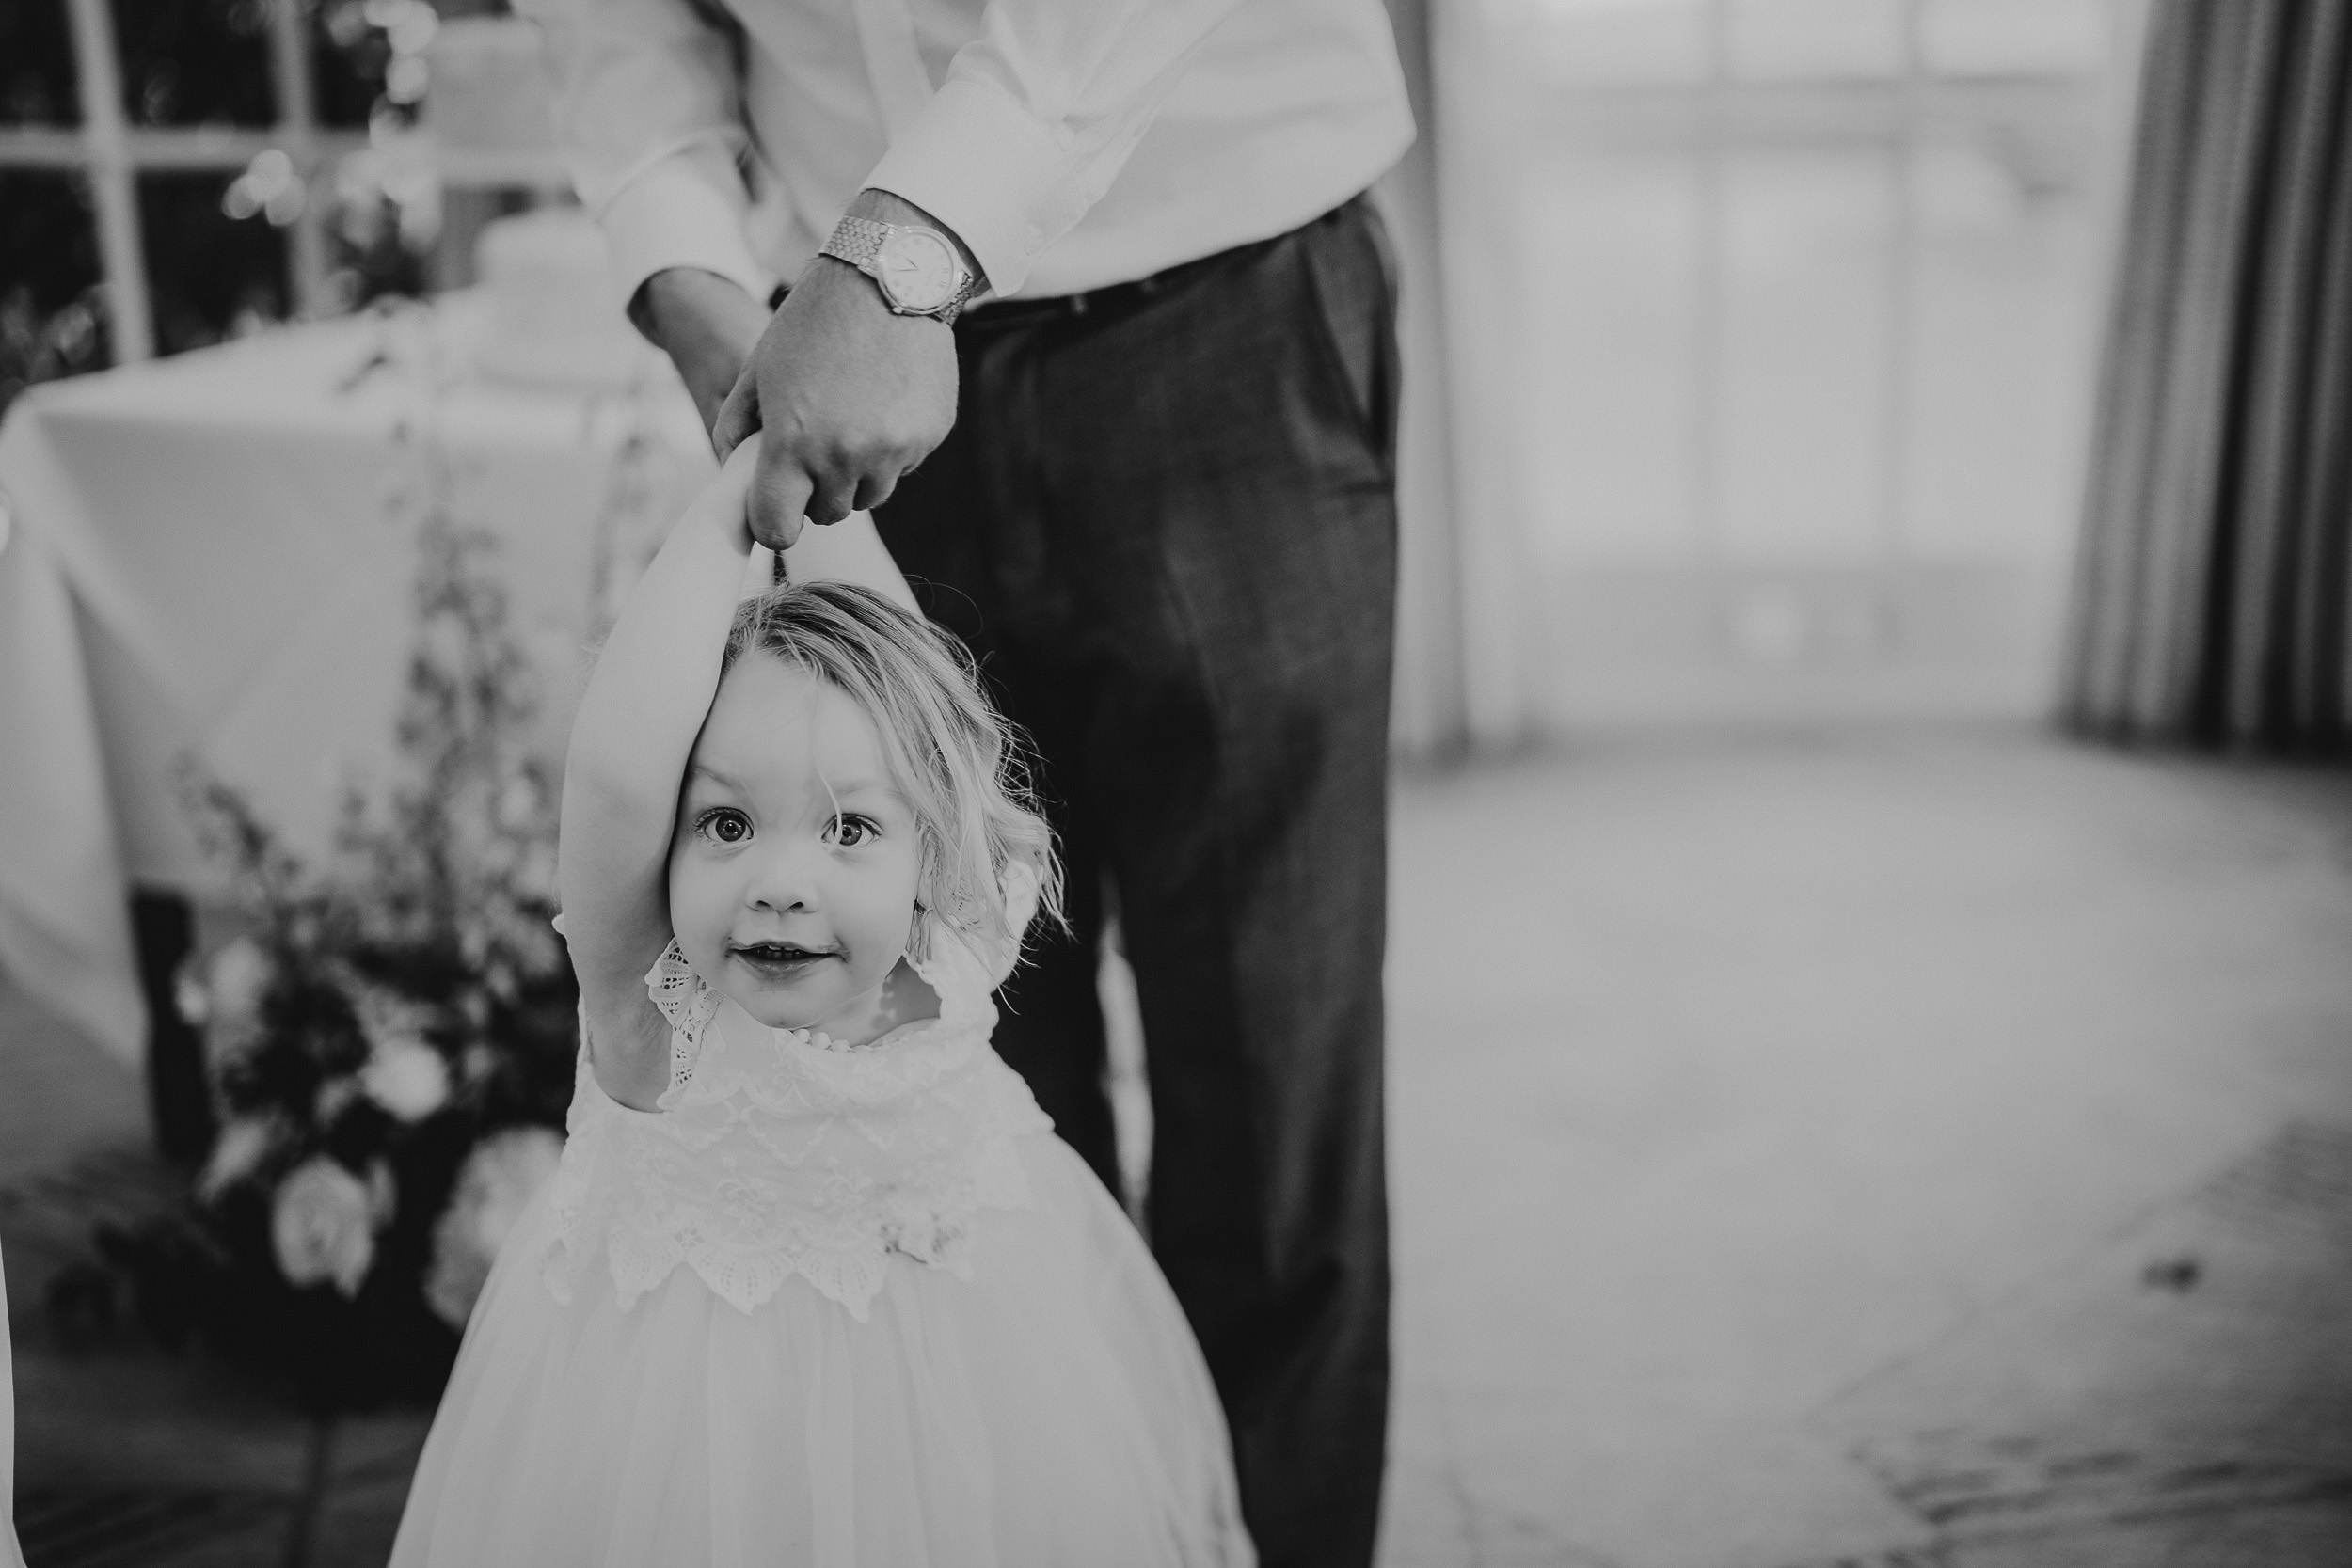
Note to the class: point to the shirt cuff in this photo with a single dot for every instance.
(675, 213)
(988, 169)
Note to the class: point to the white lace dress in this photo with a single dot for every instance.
(825, 1307)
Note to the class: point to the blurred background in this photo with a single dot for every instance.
(1872, 1071)
(1798, 422)
(1782, 410)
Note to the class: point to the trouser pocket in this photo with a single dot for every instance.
(1351, 272)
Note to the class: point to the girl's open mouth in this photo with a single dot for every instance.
(781, 958)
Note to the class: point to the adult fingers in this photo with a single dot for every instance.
(738, 416)
(832, 498)
(873, 490)
(779, 495)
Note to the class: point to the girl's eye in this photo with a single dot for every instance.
(726, 827)
(851, 831)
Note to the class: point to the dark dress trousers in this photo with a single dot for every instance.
(1166, 524)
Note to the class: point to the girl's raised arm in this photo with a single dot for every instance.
(638, 719)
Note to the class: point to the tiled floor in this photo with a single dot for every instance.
(1913, 1149)
(1732, 1080)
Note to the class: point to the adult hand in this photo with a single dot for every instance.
(849, 396)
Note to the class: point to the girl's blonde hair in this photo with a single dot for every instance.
(959, 763)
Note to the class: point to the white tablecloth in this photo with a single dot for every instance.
(206, 556)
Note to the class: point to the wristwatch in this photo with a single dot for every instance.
(917, 268)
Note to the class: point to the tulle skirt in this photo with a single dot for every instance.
(1050, 1412)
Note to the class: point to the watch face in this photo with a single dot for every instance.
(918, 269)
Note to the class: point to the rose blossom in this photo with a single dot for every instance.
(407, 1077)
(319, 1226)
(501, 1176)
(191, 998)
(229, 997)
(404, 1073)
(237, 978)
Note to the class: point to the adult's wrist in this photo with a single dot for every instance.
(880, 206)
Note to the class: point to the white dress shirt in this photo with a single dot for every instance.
(1069, 143)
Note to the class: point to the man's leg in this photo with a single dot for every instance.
(943, 525)
(1201, 563)
(1168, 532)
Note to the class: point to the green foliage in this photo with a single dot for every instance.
(386, 1019)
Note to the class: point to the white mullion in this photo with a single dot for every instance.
(39, 147)
(297, 134)
(151, 148)
(114, 181)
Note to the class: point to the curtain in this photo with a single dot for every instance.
(2211, 602)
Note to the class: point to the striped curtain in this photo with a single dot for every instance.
(2211, 597)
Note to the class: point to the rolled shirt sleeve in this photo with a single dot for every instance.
(1036, 116)
(649, 122)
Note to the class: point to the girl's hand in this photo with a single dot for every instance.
(723, 505)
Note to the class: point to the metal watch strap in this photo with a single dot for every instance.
(858, 241)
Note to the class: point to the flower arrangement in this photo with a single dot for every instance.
(391, 1040)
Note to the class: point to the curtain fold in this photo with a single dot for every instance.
(2211, 593)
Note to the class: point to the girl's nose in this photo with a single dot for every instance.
(783, 879)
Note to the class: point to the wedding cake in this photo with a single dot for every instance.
(555, 313)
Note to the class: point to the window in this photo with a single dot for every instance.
(277, 138)
(1812, 298)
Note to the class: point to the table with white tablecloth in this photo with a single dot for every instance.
(211, 557)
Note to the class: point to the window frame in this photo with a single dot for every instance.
(111, 153)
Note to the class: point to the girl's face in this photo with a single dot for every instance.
(795, 861)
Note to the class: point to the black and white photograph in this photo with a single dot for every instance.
(1175, 783)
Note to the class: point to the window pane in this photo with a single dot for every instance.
(51, 320)
(36, 65)
(1807, 257)
(1611, 255)
(193, 62)
(1815, 40)
(1617, 42)
(1999, 386)
(1975, 38)
(209, 275)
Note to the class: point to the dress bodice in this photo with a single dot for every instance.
(774, 1152)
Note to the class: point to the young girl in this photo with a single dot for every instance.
(815, 1284)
